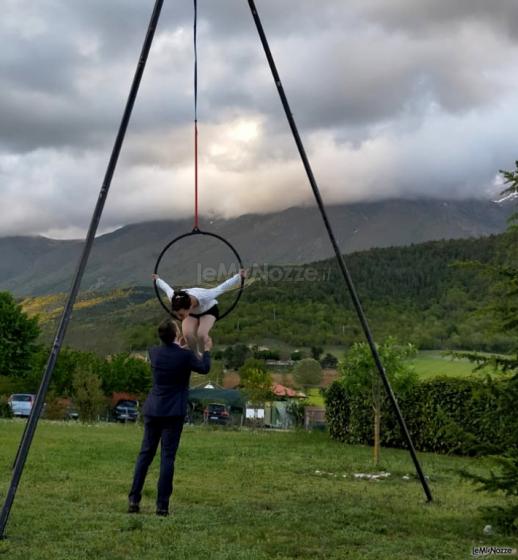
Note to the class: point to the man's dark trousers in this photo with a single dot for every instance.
(167, 430)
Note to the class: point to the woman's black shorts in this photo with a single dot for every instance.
(214, 311)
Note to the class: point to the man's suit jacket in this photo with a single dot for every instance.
(172, 367)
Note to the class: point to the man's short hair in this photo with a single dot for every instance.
(167, 331)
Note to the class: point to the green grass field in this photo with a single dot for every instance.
(315, 398)
(251, 495)
(433, 363)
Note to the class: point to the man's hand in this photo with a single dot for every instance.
(208, 345)
(155, 276)
(243, 273)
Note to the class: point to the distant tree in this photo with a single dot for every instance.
(360, 377)
(266, 354)
(329, 361)
(297, 355)
(141, 337)
(316, 352)
(88, 395)
(307, 373)
(511, 180)
(18, 335)
(123, 372)
(68, 363)
(255, 380)
(235, 356)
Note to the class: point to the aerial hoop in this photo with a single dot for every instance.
(197, 231)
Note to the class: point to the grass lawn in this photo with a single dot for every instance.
(434, 363)
(315, 398)
(250, 495)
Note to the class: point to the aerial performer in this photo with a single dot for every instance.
(197, 308)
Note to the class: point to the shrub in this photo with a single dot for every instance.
(5, 409)
(88, 395)
(296, 409)
(235, 356)
(255, 380)
(55, 408)
(443, 415)
(308, 373)
(337, 411)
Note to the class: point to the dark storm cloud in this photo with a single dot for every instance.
(340, 74)
(426, 16)
(422, 93)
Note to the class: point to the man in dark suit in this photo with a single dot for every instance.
(164, 412)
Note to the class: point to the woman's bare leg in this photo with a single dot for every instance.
(190, 333)
(206, 323)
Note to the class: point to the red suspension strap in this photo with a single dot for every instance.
(195, 121)
(196, 175)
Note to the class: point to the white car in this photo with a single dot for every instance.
(21, 404)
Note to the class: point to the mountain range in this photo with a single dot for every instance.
(127, 256)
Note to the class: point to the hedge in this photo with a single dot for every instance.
(444, 415)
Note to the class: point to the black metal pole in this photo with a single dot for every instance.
(67, 311)
(339, 256)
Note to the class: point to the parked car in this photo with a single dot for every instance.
(21, 404)
(72, 413)
(216, 413)
(125, 411)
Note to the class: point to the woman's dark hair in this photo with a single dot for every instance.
(167, 331)
(181, 300)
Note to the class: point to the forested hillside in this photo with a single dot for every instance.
(36, 266)
(418, 293)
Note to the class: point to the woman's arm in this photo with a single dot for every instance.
(164, 286)
(229, 284)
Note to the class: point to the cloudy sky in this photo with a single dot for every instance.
(393, 98)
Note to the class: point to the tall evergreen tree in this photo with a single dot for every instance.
(504, 308)
(18, 336)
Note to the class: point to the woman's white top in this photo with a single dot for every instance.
(206, 296)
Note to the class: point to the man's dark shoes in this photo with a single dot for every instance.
(162, 512)
(133, 508)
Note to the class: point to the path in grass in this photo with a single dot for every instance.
(239, 495)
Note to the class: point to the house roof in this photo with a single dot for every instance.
(282, 391)
(122, 396)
